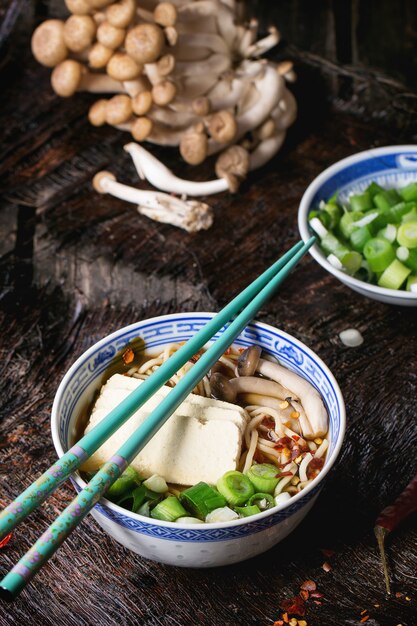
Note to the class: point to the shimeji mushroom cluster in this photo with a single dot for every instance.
(181, 73)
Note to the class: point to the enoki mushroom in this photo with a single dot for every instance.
(185, 73)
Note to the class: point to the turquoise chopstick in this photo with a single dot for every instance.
(38, 491)
(68, 520)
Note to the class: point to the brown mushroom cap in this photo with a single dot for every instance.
(98, 178)
(248, 361)
(110, 36)
(121, 13)
(164, 92)
(194, 146)
(97, 113)
(99, 56)
(142, 103)
(141, 128)
(145, 43)
(233, 165)
(165, 14)
(122, 67)
(201, 106)
(100, 4)
(221, 389)
(118, 109)
(66, 77)
(222, 127)
(79, 32)
(48, 46)
(166, 64)
(78, 7)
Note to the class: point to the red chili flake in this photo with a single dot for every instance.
(268, 423)
(304, 594)
(309, 585)
(316, 463)
(196, 356)
(398, 594)
(278, 623)
(242, 350)
(282, 474)
(258, 456)
(6, 540)
(284, 441)
(128, 356)
(296, 438)
(227, 352)
(294, 606)
(316, 594)
(364, 619)
(285, 618)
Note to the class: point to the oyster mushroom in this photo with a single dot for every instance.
(193, 146)
(110, 36)
(48, 45)
(233, 165)
(226, 389)
(145, 43)
(190, 215)
(248, 361)
(222, 126)
(165, 14)
(308, 395)
(122, 13)
(122, 67)
(79, 32)
(118, 109)
(71, 76)
(142, 102)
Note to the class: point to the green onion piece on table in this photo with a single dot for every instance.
(168, 510)
(262, 500)
(246, 511)
(235, 487)
(201, 499)
(264, 477)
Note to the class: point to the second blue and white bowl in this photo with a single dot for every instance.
(205, 545)
(392, 166)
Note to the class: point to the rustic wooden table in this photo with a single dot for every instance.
(75, 266)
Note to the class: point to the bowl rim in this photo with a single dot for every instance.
(213, 525)
(315, 251)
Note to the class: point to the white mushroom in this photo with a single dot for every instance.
(190, 215)
(309, 397)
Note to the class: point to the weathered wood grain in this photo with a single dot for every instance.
(75, 266)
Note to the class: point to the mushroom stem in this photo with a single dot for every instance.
(190, 215)
(263, 45)
(308, 395)
(227, 389)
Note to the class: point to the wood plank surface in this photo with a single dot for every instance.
(74, 266)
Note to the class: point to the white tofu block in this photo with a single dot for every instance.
(201, 441)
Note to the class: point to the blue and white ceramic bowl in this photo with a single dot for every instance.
(206, 545)
(393, 166)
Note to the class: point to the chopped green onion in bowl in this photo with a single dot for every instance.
(372, 237)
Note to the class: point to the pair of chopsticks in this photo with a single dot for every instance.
(252, 298)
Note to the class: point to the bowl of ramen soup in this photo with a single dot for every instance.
(237, 466)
